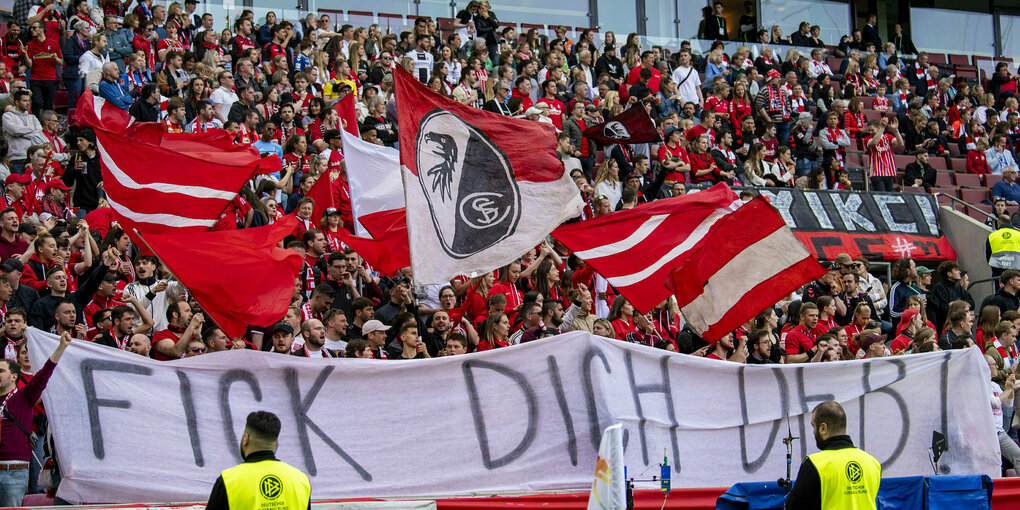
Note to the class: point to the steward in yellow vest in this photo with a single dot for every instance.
(261, 482)
(839, 476)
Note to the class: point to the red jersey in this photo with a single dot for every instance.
(44, 55)
(556, 110)
(799, 340)
(171, 333)
(882, 162)
(696, 131)
(653, 84)
(665, 152)
(284, 132)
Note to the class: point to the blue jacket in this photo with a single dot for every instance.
(119, 46)
(72, 52)
(997, 162)
(112, 92)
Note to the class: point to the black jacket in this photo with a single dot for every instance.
(926, 173)
(939, 297)
(41, 315)
(1002, 299)
(145, 112)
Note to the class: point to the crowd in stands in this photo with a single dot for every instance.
(765, 115)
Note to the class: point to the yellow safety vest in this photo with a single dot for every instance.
(849, 478)
(266, 485)
(1005, 245)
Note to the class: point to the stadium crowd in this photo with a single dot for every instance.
(763, 115)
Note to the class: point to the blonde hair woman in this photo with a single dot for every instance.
(607, 182)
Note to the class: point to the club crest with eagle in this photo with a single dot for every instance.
(468, 182)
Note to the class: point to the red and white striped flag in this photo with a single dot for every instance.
(635, 250)
(751, 261)
(158, 190)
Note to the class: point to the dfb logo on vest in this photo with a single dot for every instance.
(854, 472)
(616, 130)
(270, 486)
(468, 182)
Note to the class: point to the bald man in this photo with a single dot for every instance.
(139, 344)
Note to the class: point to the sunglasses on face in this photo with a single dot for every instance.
(197, 349)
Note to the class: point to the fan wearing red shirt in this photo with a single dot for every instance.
(800, 342)
(882, 136)
(673, 158)
(556, 108)
(496, 332)
(647, 62)
(707, 127)
(507, 285)
(42, 55)
(182, 328)
(911, 323)
(725, 346)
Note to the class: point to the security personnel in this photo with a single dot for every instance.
(261, 482)
(839, 476)
(1003, 248)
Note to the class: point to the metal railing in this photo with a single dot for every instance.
(968, 205)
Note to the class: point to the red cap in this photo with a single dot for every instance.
(57, 183)
(18, 178)
(772, 74)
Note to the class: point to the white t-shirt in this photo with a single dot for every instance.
(996, 390)
(336, 345)
(688, 89)
(423, 62)
(221, 99)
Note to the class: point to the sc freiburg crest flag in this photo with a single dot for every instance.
(480, 188)
(633, 125)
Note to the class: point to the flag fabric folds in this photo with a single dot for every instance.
(632, 125)
(750, 261)
(240, 277)
(322, 193)
(481, 188)
(635, 250)
(373, 176)
(348, 118)
(152, 199)
(609, 490)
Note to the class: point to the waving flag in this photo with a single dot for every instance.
(214, 146)
(218, 268)
(387, 250)
(348, 118)
(750, 261)
(635, 250)
(632, 125)
(373, 175)
(482, 188)
(146, 196)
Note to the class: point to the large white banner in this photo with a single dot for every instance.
(524, 418)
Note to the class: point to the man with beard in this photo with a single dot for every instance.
(140, 344)
(314, 334)
(800, 343)
(840, 475)
(182, 327)
(283, 338)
